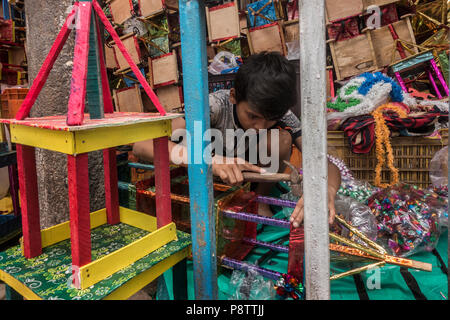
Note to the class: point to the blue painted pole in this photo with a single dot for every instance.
(195, 86)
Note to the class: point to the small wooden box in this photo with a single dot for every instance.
(353, 56)
(163, 70)
(267, 38)
(223, 22)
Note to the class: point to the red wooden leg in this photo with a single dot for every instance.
(162, 181)
(80, 226)
(296, 252)
(14, 188)
(111, 186)
(29, 200)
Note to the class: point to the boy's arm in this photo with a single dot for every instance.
(334, 182)
(228, 169)
(143, 150)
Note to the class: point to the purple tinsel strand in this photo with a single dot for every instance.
(243, 266)
(276, 202)
(274, 247)
(251, 217)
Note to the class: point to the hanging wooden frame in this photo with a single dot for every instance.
(131, 43)
(111, 58)
(121, 10)
(353, 56)
(387, 49)
(291, 30)
(269, 37)
(339, 10)
(223, 22)
(163, 70)
(128, 99)
(171, 97)
(149, 8)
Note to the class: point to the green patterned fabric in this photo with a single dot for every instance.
(49, 274)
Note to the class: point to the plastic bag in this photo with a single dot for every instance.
(408, 219)
(293, 49)
(250, 285)
(223, 61)
(439, 168)
(359, 216)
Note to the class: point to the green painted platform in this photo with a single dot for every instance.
(49, 274)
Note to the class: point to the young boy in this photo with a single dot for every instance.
(265, 89)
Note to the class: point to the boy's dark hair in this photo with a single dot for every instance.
(268, 82)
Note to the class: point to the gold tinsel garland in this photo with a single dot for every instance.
(383, 144)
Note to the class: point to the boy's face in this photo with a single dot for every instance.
(248, 118)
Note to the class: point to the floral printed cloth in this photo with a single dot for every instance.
(49, 275)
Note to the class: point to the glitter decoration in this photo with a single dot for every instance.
(408, 218)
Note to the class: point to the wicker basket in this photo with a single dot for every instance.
(412, 158)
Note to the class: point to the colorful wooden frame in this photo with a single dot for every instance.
(261, 12)
(163, 70)
(223, 22)
(269, 37)
(76, 136)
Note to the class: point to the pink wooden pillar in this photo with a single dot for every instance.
(29, 201)
(433, 83)
(401, 82)
(439, 75)
(80, 225)
(111, 186)
(162, 181)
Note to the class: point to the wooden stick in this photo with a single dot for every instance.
(127, 56)
(29, 201)
(46, 67)
(75, 113)
(111, 186)
(162, 181)
(80, 229)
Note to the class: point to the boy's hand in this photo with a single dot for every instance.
(230, 169)
(297, 216)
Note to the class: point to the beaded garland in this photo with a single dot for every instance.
(350, 187)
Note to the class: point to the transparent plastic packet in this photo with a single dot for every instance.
(250, 285)
(357, 215)
(439, 168)
(408, 219)
(224, 60)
